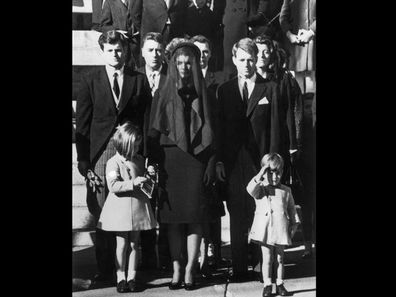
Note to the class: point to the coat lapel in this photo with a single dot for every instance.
(257, 94)
(104, 85)
(127, 88)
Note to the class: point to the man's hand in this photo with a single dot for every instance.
(83, 167)
(209, 175)
(139, 180)
(293, 230)
(220, 172)
(305, 36)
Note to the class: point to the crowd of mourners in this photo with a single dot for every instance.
(199, 102)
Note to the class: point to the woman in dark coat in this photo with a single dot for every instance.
(182, 143)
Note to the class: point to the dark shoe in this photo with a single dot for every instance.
(175, 286)
(189, 286)
(280, 290)
(307, 255)
(132, 285)
(267, 291)
(122, 287)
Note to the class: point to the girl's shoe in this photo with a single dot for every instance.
(175, 286)
(267, 291)
(122, 287)
(132, 285)
(189, 286)
(280, 290)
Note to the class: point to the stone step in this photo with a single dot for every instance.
(79, 193)
(86, 50)
(86, 6)
(83, 237)
(81, 218)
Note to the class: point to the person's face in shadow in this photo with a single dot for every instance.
(184, 64)
(205, 53)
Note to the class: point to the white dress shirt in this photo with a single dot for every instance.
(153, 83)
(251, 82)
(120, 79)
(204, 71)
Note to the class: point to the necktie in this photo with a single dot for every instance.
(152, 80)
(245, 93)
(116, 87)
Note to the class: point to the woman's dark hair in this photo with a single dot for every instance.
(277, 56)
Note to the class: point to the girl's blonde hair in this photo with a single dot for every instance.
(125, 137)
(274, 160)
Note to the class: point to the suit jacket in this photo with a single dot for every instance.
(116, 16)
(155, 15)
(149, 115)
(97, 115)
(295, 15)
(258, 127)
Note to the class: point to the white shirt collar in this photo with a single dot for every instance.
(149, 71)
(251, 81)
(111, 70)
(204, 71)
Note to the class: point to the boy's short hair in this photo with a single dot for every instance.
(112, 37)
(202, 39)
(247, 45)
(274, 160)
(124, 138)
(157, 37)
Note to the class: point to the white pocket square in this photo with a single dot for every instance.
(263, 101)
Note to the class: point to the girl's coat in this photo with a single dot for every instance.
(126, 208)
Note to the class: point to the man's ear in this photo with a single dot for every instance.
(234, 60)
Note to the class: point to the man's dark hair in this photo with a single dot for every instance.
(112, 37)
(202, 39)
(153, 36)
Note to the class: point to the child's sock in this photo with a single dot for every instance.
(267, 281)
(279, 282)
(120, 276)
(131, 275)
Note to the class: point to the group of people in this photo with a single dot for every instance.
(157, 108)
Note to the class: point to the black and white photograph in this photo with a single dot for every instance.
(194, 148)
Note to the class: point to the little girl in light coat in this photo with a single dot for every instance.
(275, 219)
(127, 209)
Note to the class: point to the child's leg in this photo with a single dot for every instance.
(266, 268)
(121, 239)
(279, 265)
(133, 239)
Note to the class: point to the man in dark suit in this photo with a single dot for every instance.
(212, 229)
(165, 17)
(248, 127)
(125, 16)
(108, 97)
(155, 71)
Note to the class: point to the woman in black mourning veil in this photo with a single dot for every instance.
(181, 138)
